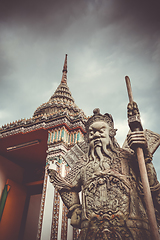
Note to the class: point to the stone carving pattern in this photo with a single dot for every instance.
(107, 196)
(153, 141)
(42, 205)
(64, 216)
(75, 233)
(43, 125)
(55, 216)
(64, 223)
(112, 203)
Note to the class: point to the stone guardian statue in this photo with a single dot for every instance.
(112, 199)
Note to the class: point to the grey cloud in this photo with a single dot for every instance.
(6, 67)
(144, 15)
(42, 14)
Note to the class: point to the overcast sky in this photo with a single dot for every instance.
(105, 40)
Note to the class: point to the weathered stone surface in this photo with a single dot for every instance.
(112, 204)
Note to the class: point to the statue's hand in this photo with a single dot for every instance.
(132, 109)
(137, 139)
(76, 218)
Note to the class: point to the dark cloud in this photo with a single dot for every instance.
(58, 15)
(141, 14)
(42, 13)
(145, 13)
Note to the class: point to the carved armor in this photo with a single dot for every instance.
(112, 199)
(112, 202)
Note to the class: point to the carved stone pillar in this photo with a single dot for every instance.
(53, 221)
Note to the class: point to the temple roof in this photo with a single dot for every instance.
(60, 105)
(61, 101)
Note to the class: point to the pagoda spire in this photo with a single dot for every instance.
(61, 101)
(64, 71)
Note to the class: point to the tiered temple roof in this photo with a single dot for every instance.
(61, 101)
(60, 104)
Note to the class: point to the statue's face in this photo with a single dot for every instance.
(99, 133)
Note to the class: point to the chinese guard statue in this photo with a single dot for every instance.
(112, 200)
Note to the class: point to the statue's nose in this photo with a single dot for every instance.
(96, 134)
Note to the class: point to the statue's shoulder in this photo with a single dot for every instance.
(152, 138)
(127, 159)
(76, 158)
(125, 153)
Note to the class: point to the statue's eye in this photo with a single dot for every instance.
(102, 130)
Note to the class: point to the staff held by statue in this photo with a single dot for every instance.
(135, 125)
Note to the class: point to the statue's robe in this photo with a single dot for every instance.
(112, 201)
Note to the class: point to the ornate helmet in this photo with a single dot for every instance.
(97, 116)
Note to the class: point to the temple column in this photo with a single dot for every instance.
(47, 200)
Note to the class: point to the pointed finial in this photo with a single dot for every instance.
(64, 71)
(65, 64)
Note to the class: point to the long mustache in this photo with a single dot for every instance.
(96, 151)
(101, 151)
(100, 155)
(105, 150)
(110, 146)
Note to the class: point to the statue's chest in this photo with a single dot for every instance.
(106, 195)
(106, 192)
(94, 166)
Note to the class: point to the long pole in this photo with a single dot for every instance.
(144, 178)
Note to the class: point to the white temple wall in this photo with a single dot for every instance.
(70, 230)
(48, 209)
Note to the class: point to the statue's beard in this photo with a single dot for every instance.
(100, 148)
